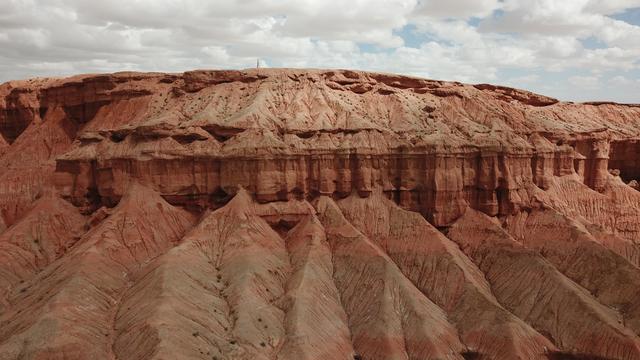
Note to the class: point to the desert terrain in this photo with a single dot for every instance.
(284, 214)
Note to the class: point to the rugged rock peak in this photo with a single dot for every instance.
(307, 214)
(241, 205)
(532, 289)
(382, 328)
(67, 309)
(474, 230)
(48, 230)
(131, 227)
(313, 306)
(239, 264)
(614, 209)
(422, 253)
(574, 251)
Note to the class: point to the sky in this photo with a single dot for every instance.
(574, 50)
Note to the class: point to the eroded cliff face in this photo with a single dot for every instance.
(434, 147)
(286, 214)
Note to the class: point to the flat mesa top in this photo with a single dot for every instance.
(304, 101)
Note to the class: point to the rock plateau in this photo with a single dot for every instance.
(284, 214)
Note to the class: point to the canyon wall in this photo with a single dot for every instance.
(314, 214)
(433, 147)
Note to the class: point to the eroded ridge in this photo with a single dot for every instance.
(435, 147)
(314, 214)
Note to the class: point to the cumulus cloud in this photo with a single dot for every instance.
(611, 6)
(556, 47)
(585, 82)
(457, 8)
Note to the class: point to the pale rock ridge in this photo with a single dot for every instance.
(530, 287)
(443, 273)
(315, 322)
(612, 217)
(48, 230)
(378, 329)
(571, 249)
(70, 312)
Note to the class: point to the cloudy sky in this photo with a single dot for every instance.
(571, 49)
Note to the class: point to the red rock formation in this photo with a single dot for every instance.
(534, 290)
(292, 133)
(394, 320)
(42, 236)
(3, 145)
(379, 217)
(574, 251)
(68, 309)
(442, 272)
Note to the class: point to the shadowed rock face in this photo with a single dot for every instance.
(314, 214)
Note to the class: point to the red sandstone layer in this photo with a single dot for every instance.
(314, 214)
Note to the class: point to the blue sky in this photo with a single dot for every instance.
(574, 50)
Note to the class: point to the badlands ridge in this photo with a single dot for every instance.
(314, 214)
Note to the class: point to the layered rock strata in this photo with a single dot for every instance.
(314, 214)
(434, 147)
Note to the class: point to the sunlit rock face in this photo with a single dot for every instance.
(314, 214)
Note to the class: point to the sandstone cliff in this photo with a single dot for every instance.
(285, 214)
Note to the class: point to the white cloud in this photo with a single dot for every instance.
(577, 18)
(525, 79)
(457, 8)
(610, 7)
(585, 82)
(624, 82)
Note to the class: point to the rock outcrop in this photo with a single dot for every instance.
(434, 147)
(314, 214)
